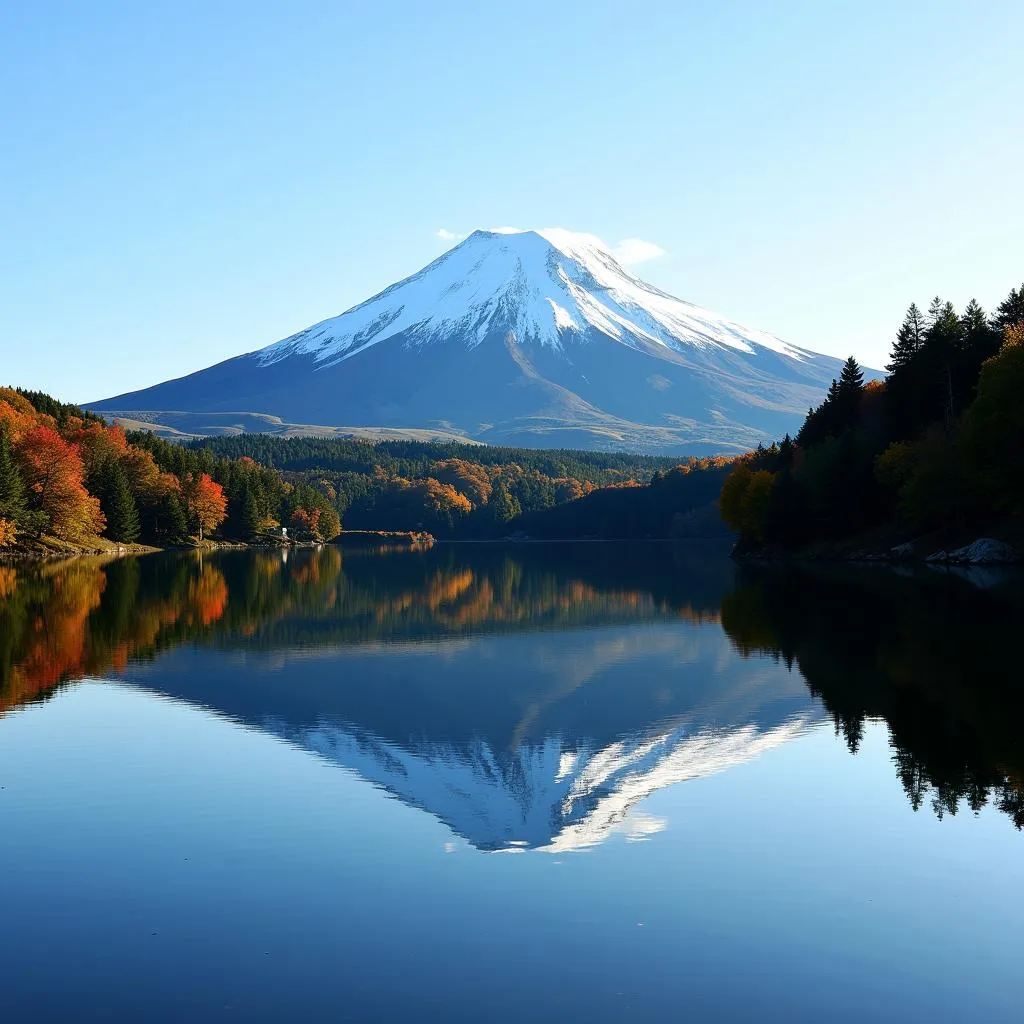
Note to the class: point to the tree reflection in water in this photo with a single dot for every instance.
(935, 657)
(933, 654)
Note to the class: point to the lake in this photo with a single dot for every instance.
(585, 782)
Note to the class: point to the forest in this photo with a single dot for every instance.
(68, 476)
(415, 458)
(932, 450)
(477, 491)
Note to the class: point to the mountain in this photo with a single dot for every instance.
(532, 338)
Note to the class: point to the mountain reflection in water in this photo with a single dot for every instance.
(532, 696)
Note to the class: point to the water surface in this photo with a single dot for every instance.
(590, 782)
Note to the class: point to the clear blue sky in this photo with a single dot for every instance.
(183, 182)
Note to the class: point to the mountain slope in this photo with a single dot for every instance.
(531, 338)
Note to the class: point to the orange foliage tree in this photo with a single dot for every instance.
(54, 475)
(305, 521)
(468, 478)
(204, 500)
(96, 443)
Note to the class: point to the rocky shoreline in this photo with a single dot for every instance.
(984, 551)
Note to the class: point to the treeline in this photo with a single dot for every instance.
(414, 459)
(935, 446)
(256, 498)
(449, 490)
(66, 474)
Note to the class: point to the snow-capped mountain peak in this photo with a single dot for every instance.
(538, 285)
(533, 338)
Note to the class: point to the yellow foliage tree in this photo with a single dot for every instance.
(993, 428)
(745, 500)
(8, 532)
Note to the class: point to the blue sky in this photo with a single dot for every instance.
(183, 182)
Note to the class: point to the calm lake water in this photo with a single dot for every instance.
(548, 783)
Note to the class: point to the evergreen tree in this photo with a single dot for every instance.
(944, 330)
(979, 340)
(974, 326)
(12, 487)
(909, 339)
(120, 508)
(786, 453)
(174, 522)
(935, 308)
(1010, 311)
(945, 340)
(851, 379)
(504, 506)
(250, 519)
(846, 400)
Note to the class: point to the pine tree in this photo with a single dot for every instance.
(943, 333)
(120, 508)
(175, 522)
(909, 339)
(944, 346)
(786, 453)
(250, 519)
(839, 410)
(504, 505)
(1011, 310)
(979, 340)
(12, 487)
(851, 379)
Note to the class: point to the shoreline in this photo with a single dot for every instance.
(359, 539)
(981, 551)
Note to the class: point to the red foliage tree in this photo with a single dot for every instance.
(205, 501)
(54, 473)
(306, 522)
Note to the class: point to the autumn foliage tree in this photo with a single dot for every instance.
(55, 479)
(304, 522)
(745, 499)
(993, 432)
(468, 478)
(12, 491)
(204, 501)
(66, 473)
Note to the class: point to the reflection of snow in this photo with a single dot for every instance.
(542, 796)
(642, 826)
